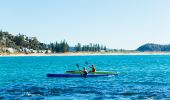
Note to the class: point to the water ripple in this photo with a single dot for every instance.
(141, 77)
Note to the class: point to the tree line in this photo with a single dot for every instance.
(59, 47)
(20, 42)
(90, 47)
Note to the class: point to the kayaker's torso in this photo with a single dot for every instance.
(93, 69)
(85, 71)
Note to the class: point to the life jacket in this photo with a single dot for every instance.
(85, 72)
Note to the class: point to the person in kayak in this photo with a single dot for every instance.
(93, 68)
(84, 72)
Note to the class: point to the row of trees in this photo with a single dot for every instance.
(20, 42)
(59, 47)
(90, 47)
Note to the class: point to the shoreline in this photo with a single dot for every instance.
(84, 54)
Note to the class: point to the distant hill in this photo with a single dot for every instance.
(153, 47)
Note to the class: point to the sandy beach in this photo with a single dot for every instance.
(84, 54)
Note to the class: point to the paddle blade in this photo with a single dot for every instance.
(86, 62)
(78, 66)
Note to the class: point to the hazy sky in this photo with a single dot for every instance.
(124, 24)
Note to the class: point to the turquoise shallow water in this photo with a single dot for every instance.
(141, 77)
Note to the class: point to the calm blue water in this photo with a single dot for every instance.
(141, 77)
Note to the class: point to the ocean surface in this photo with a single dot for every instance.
(140, 77)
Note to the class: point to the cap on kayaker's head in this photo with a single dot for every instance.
(92, 65)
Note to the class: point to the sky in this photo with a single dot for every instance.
(118, 24)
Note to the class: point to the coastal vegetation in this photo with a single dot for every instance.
(90, 47)
(24, 44)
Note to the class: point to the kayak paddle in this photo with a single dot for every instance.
(78, 66)
(87, 65)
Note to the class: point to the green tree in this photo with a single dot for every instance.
(35, 44)
(78, 47)
(104, 48)
(19, 40)
(66, 47)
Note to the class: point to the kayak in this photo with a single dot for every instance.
(97, 72)
(77, 75)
